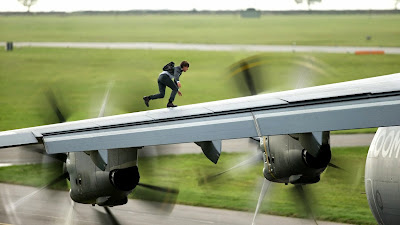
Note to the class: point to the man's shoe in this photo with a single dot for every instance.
(146, 100)
(170, 104)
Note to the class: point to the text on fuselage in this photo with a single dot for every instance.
(386, 143)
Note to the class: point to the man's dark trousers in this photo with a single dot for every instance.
(163, 81)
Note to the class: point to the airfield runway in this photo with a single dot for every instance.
(206, 47)
(51, 207)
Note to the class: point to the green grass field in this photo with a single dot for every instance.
(80, 77)
(329, 30)
(337, 197)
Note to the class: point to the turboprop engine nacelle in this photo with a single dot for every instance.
(296, 158)
(91, 185)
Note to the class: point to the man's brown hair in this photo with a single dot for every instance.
(184, 64)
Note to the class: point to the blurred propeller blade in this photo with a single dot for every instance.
(40, 149)
(106, 218)
(335, 166)
(264, 190)
(105, 100)
(248, 78)
(256, 158)
(126, 100)
(305, 200)
(57, 179)
(111, 216)
(54, 181)
(246, 73)
(54, 105)
(158, 188)
(159, 198)
(253, 75)
(358, 179)
(7, 206)
(162, 198)
(69, 216)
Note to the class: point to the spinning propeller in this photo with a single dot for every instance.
(252, 77)
(167, 196)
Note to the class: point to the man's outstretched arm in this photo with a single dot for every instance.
(177, 73)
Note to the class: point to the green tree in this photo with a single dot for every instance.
(28, 3)
(309, 2)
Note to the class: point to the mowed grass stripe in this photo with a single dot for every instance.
(79, 78)
(331, 30)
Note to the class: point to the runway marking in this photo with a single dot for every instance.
(5, 165)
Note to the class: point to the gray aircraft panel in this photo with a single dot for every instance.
(193, 130)
(308, 110)
(330, 116)
(123, 119)
(318, 94)
(370, 85)
(328, 92)
(383, 87)
(243, 103)
(177, 112)
(11, 138)
(75, 125)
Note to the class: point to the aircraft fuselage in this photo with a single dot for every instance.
(382, 175)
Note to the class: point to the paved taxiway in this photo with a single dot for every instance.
(206, 47)
(51, 207)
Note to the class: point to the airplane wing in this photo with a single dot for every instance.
(372, 102)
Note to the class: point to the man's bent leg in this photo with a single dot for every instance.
(173, 87)
(161, 88)
(172, 96)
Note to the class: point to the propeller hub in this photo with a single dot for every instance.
(125, 179)
(321, 160)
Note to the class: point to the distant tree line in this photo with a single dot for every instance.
(147, 12)
(28, 3)
(308, 2)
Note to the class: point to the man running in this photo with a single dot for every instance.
(164, 80)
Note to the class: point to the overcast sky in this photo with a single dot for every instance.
(79, 5)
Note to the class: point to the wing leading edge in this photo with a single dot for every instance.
(373, 102)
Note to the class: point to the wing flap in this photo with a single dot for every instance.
(184, 131)
(11, 138)
(211, 149)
